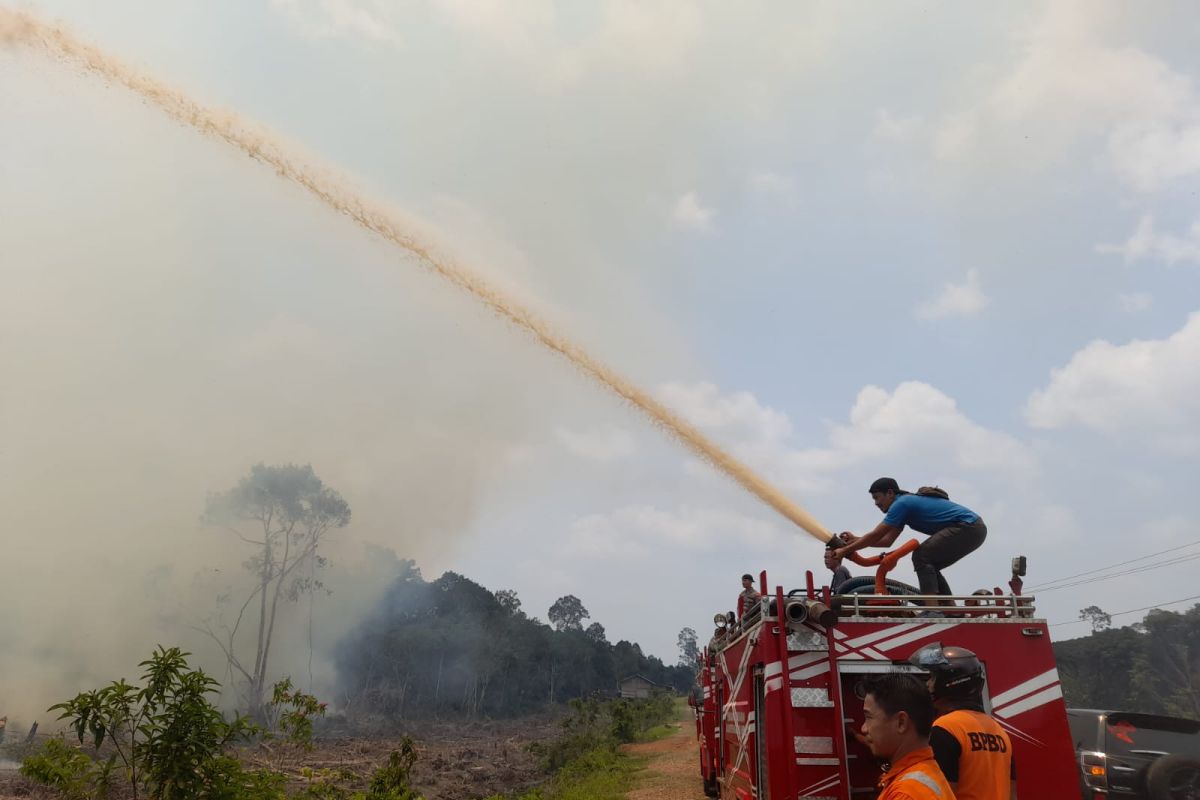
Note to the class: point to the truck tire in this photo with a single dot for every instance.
(1174, 777)
(865, 584)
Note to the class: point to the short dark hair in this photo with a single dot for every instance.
(902, 691)
(747, 577)
(884, 485)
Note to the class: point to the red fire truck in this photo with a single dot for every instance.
(780, 691)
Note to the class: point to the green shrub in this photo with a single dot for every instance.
(68, 770)
(585, 760)
(326, 784)
(603, 773)
(390, 782)
(167, 737)
(291, 713)
(170, 743)
(231, 781)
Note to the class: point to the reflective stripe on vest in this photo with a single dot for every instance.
(922, 777)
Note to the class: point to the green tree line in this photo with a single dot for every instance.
(1151, 667)
(451, 646)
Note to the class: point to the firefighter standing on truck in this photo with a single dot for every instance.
(974, 752)
(897, 713)
(749, 596)
(953, 530)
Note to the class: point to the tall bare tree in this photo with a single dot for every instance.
(282, 513)
(689, 649)
(1096, 617)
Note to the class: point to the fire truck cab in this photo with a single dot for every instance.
(781, 690)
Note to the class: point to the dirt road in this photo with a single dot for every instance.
(673, 772)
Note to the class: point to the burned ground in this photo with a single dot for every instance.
(458, 760)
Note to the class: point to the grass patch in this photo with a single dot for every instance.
(656, 733)
(586, 762)
(602, 774)
(683, 716)
(599, 774)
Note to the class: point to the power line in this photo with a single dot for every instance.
(1048, 583)
(1122, 573)
(1132, 610)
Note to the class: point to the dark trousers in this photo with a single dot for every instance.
(943, 548)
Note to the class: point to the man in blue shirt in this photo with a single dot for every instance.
(953, 531)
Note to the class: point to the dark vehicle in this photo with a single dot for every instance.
(1143, 756)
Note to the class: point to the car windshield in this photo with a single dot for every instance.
(1083, 729)
(1129, 733)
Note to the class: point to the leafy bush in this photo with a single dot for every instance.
(170, 743)
(326, 784)
(168, 738)
(291, 713)
(594, 724)
(601, 773)
(65, 768)
(632, 718)
(388, 782)
(232, 781)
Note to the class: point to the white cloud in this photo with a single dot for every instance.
(1150, 153)
(737, 413)
(1145, 388)
(1134, 302)
(1067, 83)
(774, 186)
(956, 300)
(517, 27)
(610, 444)
(921, 420)
(916, 420)
(636, 531)
(659, 34)
(519, 455)
(891, 127)
(650, 39)
(1146, 243)
(360, 19)
(688, 213)
(283, 336)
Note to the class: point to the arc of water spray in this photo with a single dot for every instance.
(19, 28)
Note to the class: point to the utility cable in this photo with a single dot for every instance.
(1132, 610)
(1122, 573)
(1048, 583)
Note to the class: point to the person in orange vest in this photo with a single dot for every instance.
(897, 715)
(974, 752)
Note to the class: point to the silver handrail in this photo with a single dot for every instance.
(973, 605)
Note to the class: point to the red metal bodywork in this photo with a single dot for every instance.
(787, 697)
(706, 724)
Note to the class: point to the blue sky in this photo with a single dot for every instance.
(957, 245)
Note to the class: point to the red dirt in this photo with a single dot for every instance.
(673, 772)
